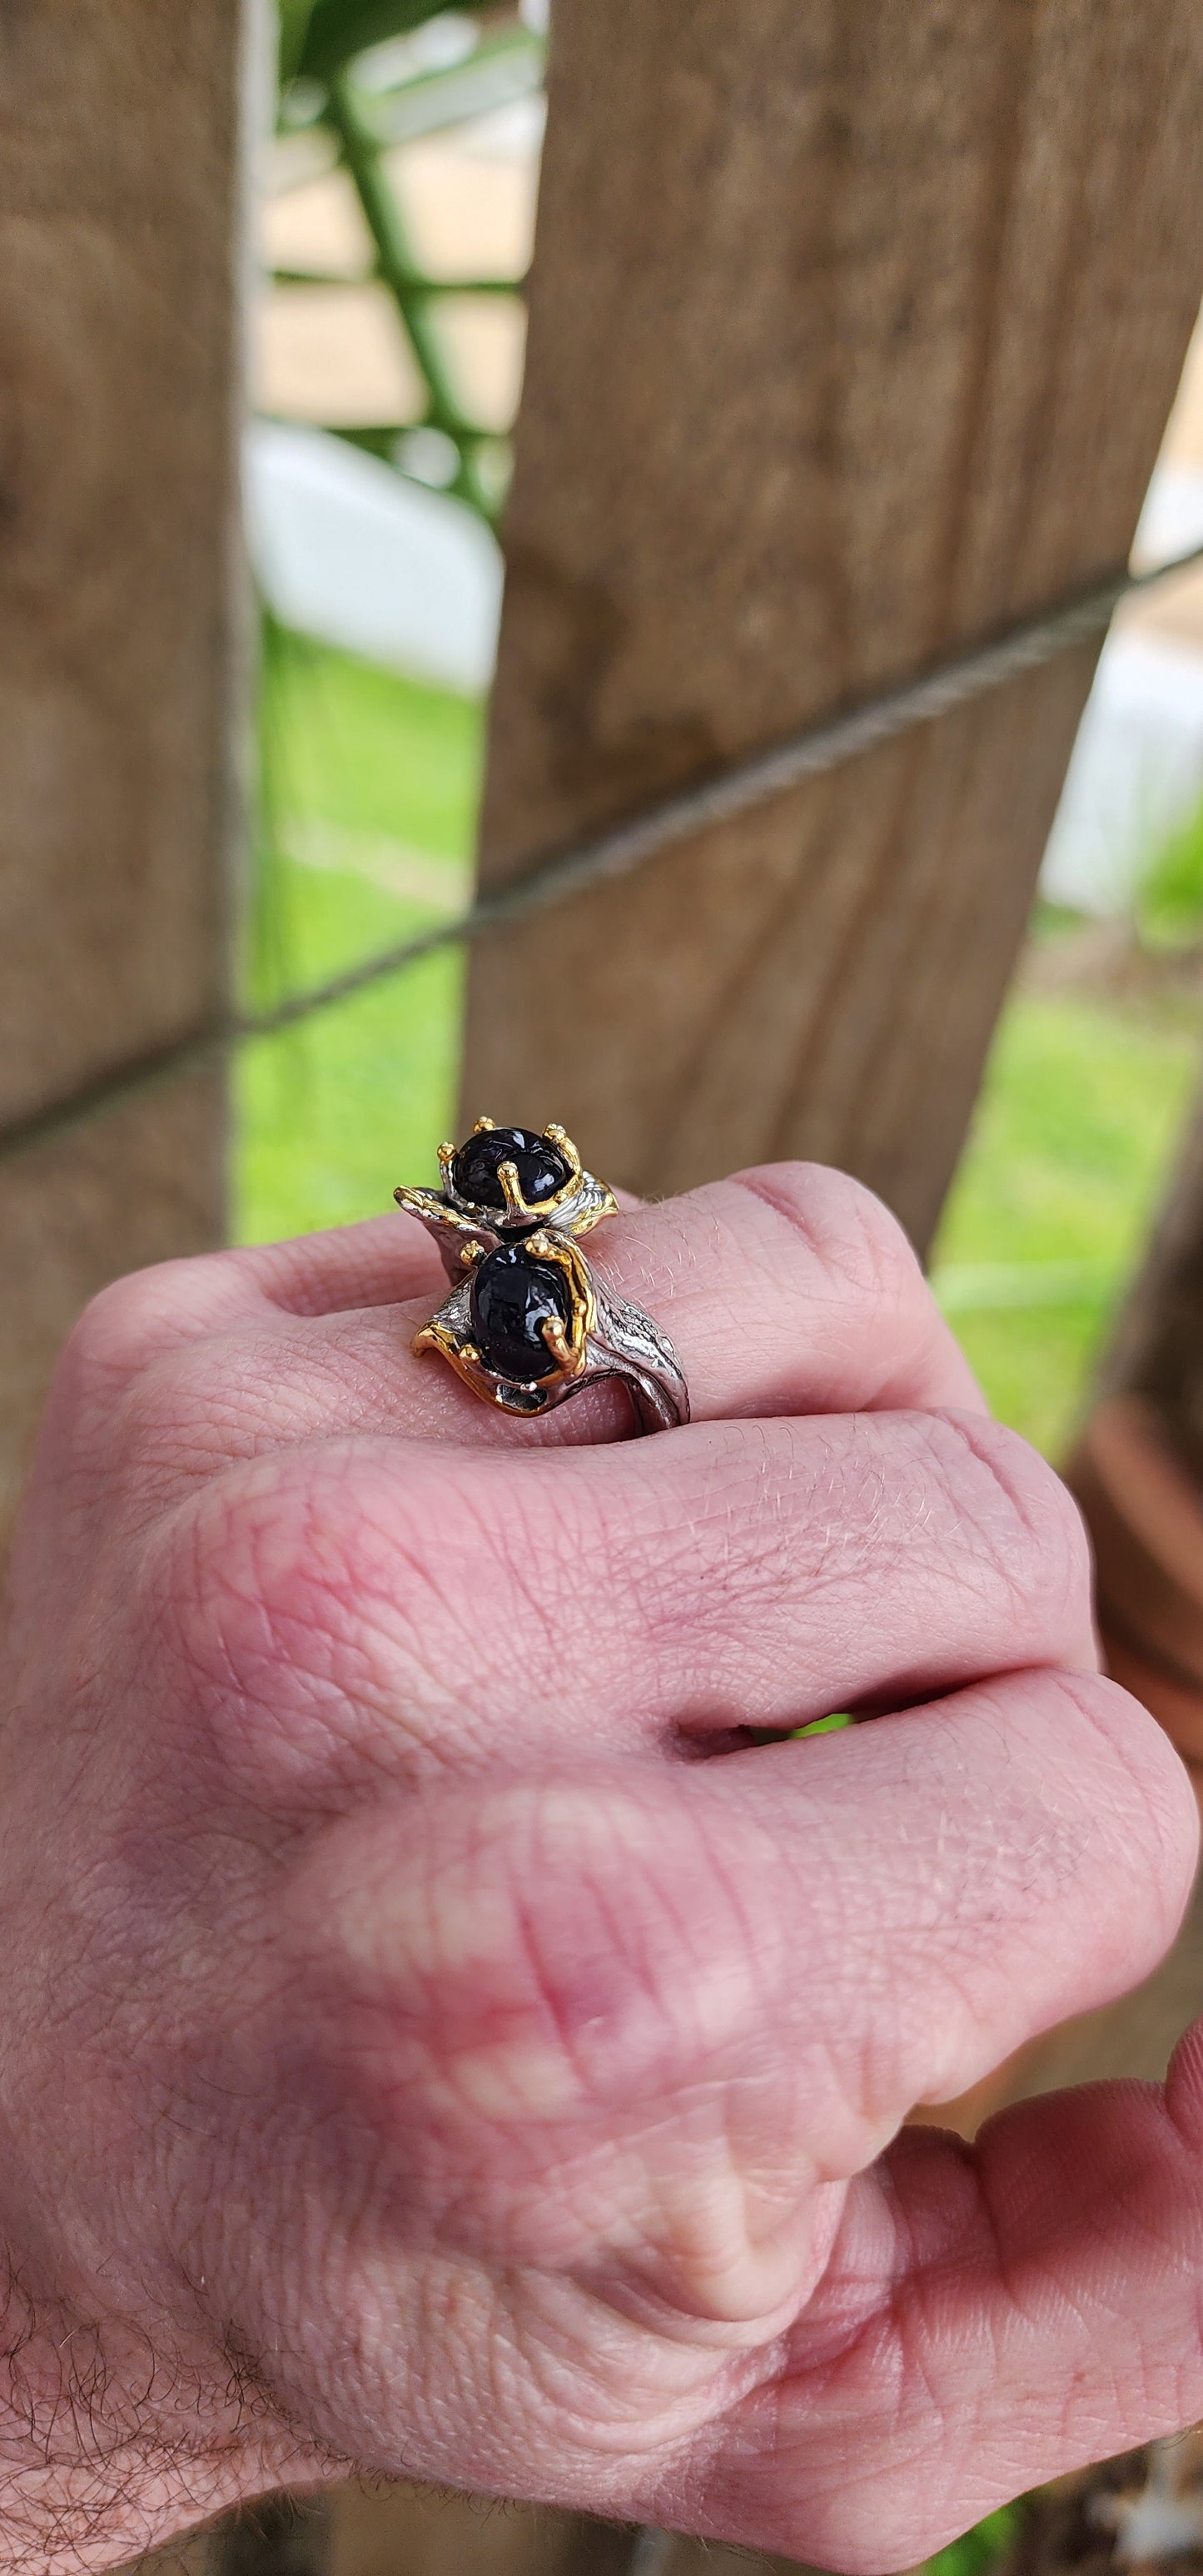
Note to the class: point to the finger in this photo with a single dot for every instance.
(787, 1289)
(682, 2006)
(765, 1573)
(790, 1290)
(973, 1856)
(992, 2317)
(174, 1303)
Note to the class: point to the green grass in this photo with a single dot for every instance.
(1065, 1161)
(366, 747)
(977, 2550)
(1169, 902)
(331, 1114)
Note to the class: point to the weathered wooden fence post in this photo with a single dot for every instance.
(120, 639)
(853, 334)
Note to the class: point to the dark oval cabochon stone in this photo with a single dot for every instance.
(512, 1296)
(541, 1168)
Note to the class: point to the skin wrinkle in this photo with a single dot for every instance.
(283, 1634)
(1055, 1515)
(1090, 1710)
(877, 1268)
(913, 2291)
(359, 1588)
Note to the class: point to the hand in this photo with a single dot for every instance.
(436, 2036)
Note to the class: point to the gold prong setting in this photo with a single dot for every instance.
(525, 1323)
(503, 1181)
(511, 1178)
(519, 1321)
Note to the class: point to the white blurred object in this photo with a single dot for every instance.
(1171, 521)
(435, 47)
(510, 133)
(343, 549)
(1136, 773)
(1137, 766)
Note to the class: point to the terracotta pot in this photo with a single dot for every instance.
(1145, 1517)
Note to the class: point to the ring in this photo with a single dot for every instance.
(528, 1323)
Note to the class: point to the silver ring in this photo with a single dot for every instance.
(528, 1324)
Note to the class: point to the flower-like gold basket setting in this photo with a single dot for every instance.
(508, 1179)
(527, 1322)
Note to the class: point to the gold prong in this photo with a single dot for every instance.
(471, 1252)
(463, 1357)
(483, 1126)
(511, 1189)
(557, 1135)
(559, 1345)
(446, 1159)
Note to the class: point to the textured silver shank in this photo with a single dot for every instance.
(627, 1344)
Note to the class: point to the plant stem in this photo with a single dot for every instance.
(410, 289)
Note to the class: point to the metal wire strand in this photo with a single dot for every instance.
(625, 847)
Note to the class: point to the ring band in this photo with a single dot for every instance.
(528, 1324)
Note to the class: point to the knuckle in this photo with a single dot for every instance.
(108, 1340)
(318, 1607)
(251, 1599)
(851, 1234)
(1142, 1802)
(525, 2012)
(549, 1952)
(1008, 1497)
(124, 1323)
(86, 1429)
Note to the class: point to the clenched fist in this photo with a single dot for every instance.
(439, 2034)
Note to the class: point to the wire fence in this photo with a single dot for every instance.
(719, 797)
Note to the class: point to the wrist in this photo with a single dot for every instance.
(113, 2440)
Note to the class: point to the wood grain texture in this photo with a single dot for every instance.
(853, 333)
(120, 631)
(377, 2528)
(390, 2529)
(118, 390)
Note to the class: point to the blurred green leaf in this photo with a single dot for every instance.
(294, 27)
(336, 30)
